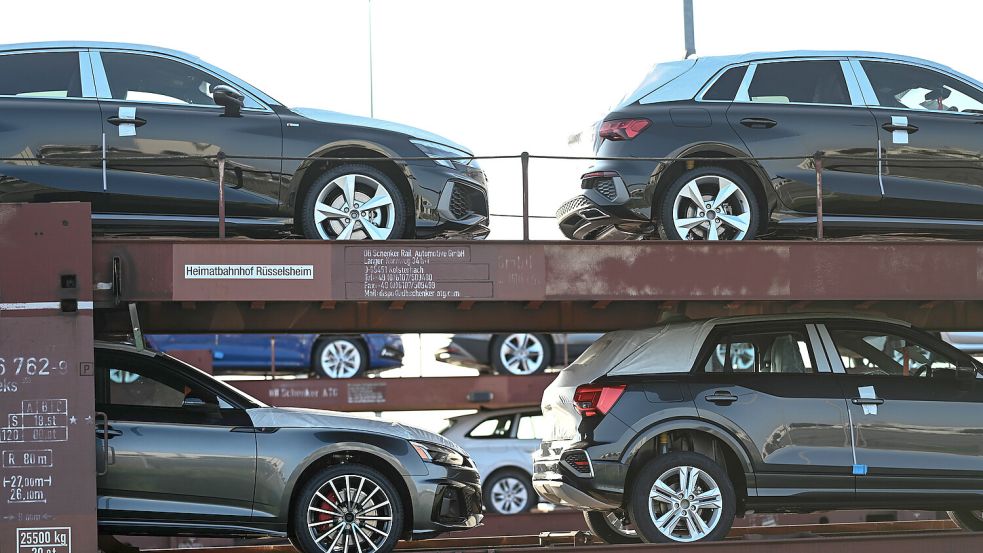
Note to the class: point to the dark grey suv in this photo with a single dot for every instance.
(666, 434)
(181, 453)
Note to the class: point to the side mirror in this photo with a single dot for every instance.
(192, 402)
(229, 98)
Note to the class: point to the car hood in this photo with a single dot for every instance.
(292, 417)
(327, 116)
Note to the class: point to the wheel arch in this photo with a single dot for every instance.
(353, 452)
(755, 175)
(705, 438)
(327, 158)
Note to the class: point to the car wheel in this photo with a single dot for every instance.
(968, 520)
(339, 358)
(354, 202)
(520, 354)
(609, 527)
(682, 497)
(709, 203)
(509, 492)
(347, 509)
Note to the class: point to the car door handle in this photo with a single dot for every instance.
(136, 121)
(891, 127)
(721, 398)
(108, 432)
(867, 401)
(758, 122)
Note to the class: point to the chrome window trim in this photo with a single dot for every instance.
(80, 52)
(866, 89)
(818, 350)
(713, 80)
(744, 98)
(852, 86)
(832, 354)
(85, 73)
(876, 103)
(105, 92)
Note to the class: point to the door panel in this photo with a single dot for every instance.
(934, 169)
(172, 102)
(920, 428)
(763, 385)
(782, 111)
(168, 460)
(43, 114)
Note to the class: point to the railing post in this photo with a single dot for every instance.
(525, 195)
(221, 194)
(818, 162)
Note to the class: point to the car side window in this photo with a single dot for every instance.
(532, 426)
(145, 78)
(801, 82)
(40, 75)
(785, 352)
(725, 88)
(899, 85)
(145, 390)
(495, 427)
(878, 353)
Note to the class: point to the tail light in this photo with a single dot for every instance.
(623, 129)
(591, 400)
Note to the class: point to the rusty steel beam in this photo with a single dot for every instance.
(415, 286)
(400, 394)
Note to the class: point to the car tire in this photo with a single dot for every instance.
(607, 526)
(971, 521)
(327, 492)
(520, 354)
(328, 213)
(509, 492)
(339, 358)
(737, 216)
(648, 514)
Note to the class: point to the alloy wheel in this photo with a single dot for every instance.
(685, 504)
(354, 207)
(350, 513)
(711, 207)
(618, 525)
(340, 359)
(521, 354)
(509, 495)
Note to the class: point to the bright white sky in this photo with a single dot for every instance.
(499, 76)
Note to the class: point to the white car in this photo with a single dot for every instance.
(501, 444)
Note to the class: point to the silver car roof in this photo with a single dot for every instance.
(700, 70)
(677, 344)
(98, 45)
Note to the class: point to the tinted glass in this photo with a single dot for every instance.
(804, 82)
(726, 86)
(497, 427)
(41, 75)
(899, 85)
(143, 386)
(873, 353)
(145, 78)
(762, 352)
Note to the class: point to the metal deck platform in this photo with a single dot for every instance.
(196, 285)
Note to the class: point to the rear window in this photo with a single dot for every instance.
(800, 82)
(40, 75)
(725, 88)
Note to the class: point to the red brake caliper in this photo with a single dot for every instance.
(321, 517)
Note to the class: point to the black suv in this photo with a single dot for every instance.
(666, 434)
(111, 124)
(901, 138)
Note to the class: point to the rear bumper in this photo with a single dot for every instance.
(559, 482)
(580, 218)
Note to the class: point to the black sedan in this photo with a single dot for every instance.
(900, 139)
(184, 454)
(134, 130)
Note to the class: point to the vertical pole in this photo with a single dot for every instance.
(371, 72)
(525, 195)
(221, 194)
(273, 357)
(818, 162)
(688, 28)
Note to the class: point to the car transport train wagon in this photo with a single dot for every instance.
(208, 300)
